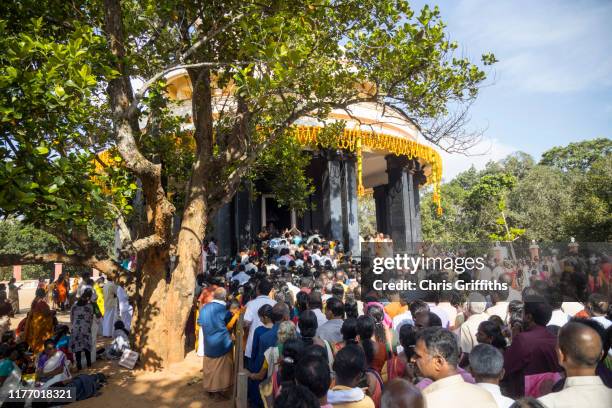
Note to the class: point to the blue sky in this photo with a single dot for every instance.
(553, 82)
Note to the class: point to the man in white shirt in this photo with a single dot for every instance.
(559, 317)
(315, 303)
(251, 319)
(330, 331)
(579, 350)
(487, 368)
(500, 304)
(476, 305)
(242, 277)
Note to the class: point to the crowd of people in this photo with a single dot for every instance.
(42, 352)
(313, 339)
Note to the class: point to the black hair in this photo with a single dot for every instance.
(335, 306)
(440, 341)
(418, 306)
(491, 329)
(314, 350)
(351, 308)
(555, 297)
(407, 338)
(338, 290)
(350, 363)
(539, 310)
(308, 326)
(378, 314)
(264, 287)
(365, 329)
(292, 351)
(265, 311)
(301, 301)
(120, 326)
(313, 373)
(296, 396)
(434, 320)
(314, 300)
(349, 331)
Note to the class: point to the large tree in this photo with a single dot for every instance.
(66, 94)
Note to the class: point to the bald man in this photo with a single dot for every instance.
(579, 349)
(399, 393)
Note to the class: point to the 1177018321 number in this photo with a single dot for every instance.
(48, 395)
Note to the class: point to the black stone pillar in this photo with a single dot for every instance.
(222, 231)
(242, 217)
(331, 189)
(350, 212)
(382, 212)
(403, 202)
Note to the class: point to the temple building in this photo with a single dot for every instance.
(378, 153)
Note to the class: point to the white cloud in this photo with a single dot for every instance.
(543, 46)
(478, 156)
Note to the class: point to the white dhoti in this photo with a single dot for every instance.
(108, 325)
(201, 343)
(125, 314)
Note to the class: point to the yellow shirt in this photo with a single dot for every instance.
(395, 308)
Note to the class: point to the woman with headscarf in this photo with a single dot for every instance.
(39, 323)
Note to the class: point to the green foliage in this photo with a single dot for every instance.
(279, 60)
(591, 216)
(577, 156)
(281, 168)
(541, 201)
(49, 124)
(535, 202)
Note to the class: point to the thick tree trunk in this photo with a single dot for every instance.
(167, 297)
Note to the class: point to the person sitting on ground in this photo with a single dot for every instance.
(400, 393)
(436, 355)
(579, 350)
(487, 367)
(52, 366)
(313, 373)
(121, 341)
(349, 366)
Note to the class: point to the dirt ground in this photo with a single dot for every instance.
(178, 386)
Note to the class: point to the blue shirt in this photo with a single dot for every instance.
(212, 319)
(267, 340)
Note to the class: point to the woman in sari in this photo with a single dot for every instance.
(39, 323)
(61, 288)
(52, 366)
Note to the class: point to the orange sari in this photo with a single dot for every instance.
(39, 325)
(62, 292)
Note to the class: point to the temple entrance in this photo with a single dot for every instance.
(273, 213)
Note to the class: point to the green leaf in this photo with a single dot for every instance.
(42, 150)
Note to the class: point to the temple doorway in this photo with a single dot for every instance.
(281, 217)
